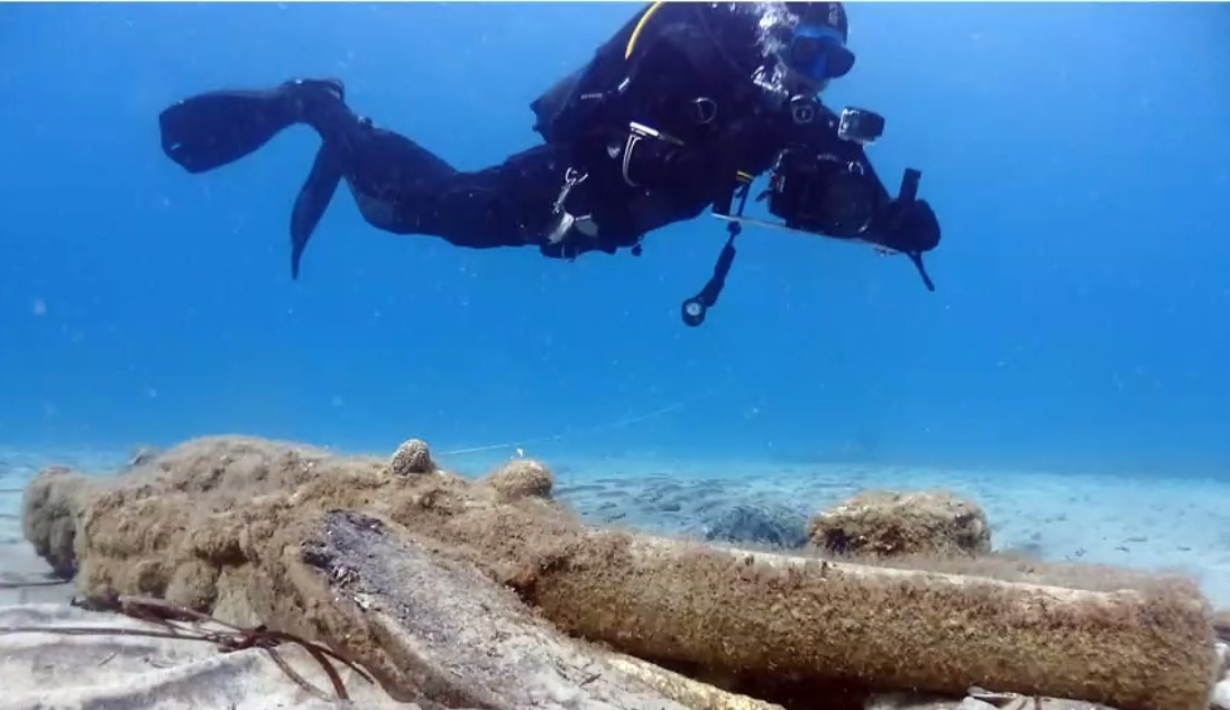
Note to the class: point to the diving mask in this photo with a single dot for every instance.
(817, 53)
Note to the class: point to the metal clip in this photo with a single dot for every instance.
(629, 146)
(638, 132)
(704, 110)
(572, 178)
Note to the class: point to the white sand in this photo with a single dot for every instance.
(24, 578)
(50, 670)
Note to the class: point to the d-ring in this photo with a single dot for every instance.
(704, 110)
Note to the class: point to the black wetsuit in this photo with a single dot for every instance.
(689, 75)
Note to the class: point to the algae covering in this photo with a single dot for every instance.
(462, 593)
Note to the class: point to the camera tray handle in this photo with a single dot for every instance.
(905, 197)
(909, 186)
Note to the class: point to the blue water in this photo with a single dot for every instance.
(1076, 155)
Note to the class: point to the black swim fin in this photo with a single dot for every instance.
(310, 204)
(209, 130)
(213, 129)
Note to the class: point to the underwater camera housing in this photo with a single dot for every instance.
(822, 193)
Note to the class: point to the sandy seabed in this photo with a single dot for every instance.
(1172, 525)
(1155, 525)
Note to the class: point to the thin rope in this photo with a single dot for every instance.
(618, 424)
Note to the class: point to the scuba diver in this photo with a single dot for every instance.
(677, 113)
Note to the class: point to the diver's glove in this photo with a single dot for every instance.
(908, 227)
